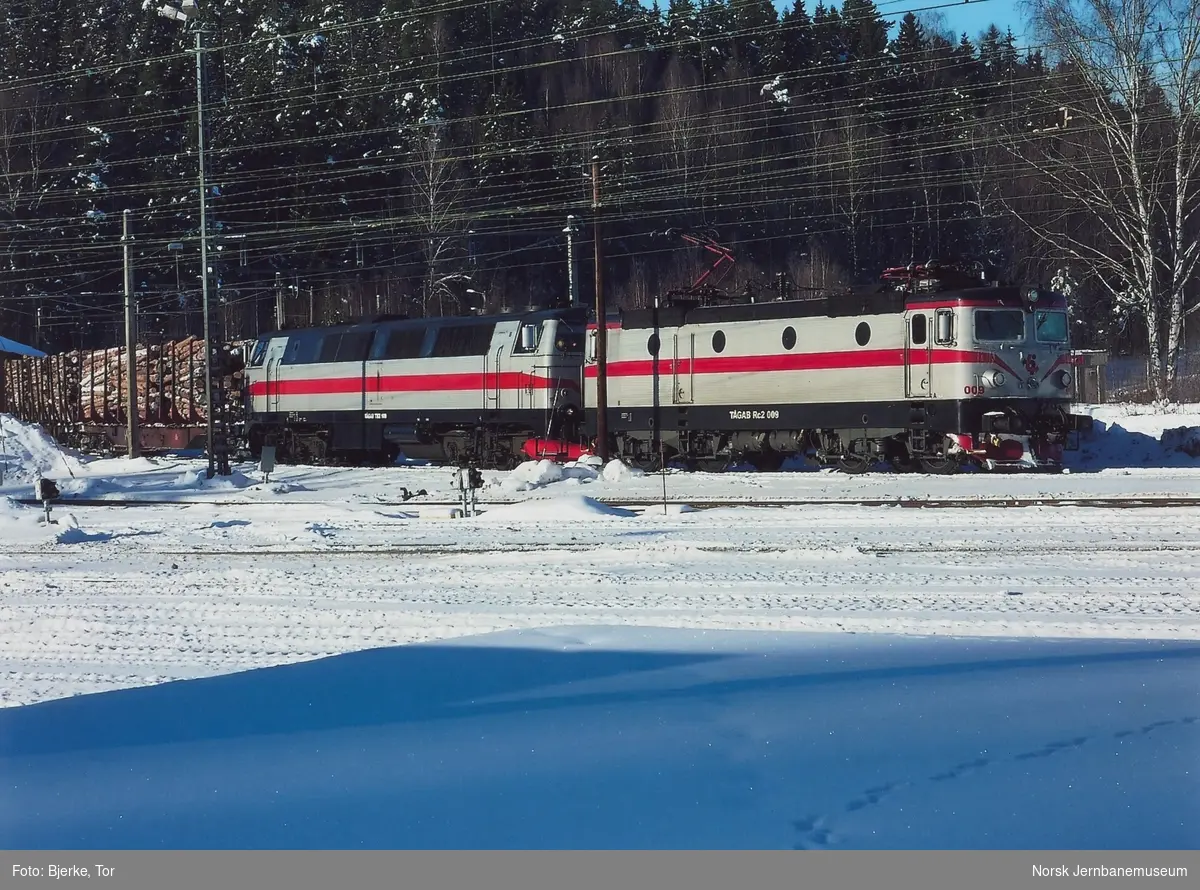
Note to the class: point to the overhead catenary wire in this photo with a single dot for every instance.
(331, 230)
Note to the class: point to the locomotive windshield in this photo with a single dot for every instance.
(1051, 326)
(260, 352)
(999, 324)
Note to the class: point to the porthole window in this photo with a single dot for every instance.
(789, 338)
(862, 334)
(652, 344)
(719, 341)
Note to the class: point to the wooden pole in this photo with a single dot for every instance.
(601, 323)
(131, 430)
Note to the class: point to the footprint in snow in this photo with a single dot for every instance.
(961, 769)
(1052, 748)
(1150, 727)
(814, 833)
(872, 796)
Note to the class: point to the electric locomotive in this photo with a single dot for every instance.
(933, 368)
(444, 389)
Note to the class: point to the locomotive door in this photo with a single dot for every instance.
(373, 384)
(918, 358)
(492, 371)
(682, 379)
(524, 366)
(274, 359)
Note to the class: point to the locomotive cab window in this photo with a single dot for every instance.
(943, 332)
(260, 353)
(528, 338)
(999, 325)
(919, 327)
(1051, 326)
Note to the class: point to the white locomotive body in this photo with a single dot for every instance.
(438, 388)
(925, 378)
(917, 375)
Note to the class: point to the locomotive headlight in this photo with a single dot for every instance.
(994, 378)
(1064, 379)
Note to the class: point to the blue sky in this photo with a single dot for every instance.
(971, 17)
(960, 16)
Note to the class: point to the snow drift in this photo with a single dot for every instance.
(1140, 436)
(619, 738)
(28, 453)
(536, 474)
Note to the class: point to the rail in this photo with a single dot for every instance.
(1109, 503)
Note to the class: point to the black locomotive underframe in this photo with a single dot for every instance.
(856, 430)
(862, 429)
(489, 438)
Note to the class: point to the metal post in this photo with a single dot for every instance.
(208, 345)
(572, 280)
(130, 342)
(601, 323)
(278, 302)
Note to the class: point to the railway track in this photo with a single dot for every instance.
(740, 549)
(701, 503)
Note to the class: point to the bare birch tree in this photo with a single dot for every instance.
(439, 192)
(1128, 157)
(684, 126)
(853, 163)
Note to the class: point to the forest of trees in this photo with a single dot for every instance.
(422, 156)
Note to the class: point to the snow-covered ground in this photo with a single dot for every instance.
(593, 675)
(620, 738)
(1135, 451)
(113, 598)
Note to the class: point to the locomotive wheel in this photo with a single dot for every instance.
(509, 460)
(853, 463)
(942, 466)
(647, 463)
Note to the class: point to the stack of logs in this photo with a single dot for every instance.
(90, 387)
(170, 384)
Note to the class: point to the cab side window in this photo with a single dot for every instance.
(943, 333)
(528, 337)
(920, 333)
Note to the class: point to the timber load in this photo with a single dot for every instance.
(81, 397)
